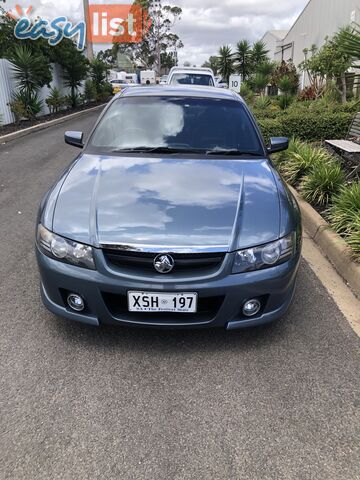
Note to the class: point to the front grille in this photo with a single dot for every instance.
(207, 309)
(185, 263)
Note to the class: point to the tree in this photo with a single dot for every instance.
(168, 60)
(107, 56)
(74, 65)
(327, 64)
(158, 38)
(27, 72)
(98, 73)
(259, 82)
(286, 69)
(349, 41)
(27, 69)
(39, 49)
(243, 58)
(212, 63)
(226, 65)
(258, 54)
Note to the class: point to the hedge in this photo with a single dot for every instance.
(310, 127)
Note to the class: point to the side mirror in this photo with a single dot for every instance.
(278, 144)
(74, 138)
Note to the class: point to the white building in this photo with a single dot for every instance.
(319, 19)
(273, 40)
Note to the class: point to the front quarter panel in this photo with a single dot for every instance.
(48, 203)
(290, 216)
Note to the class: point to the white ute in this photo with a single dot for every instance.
(191, 76)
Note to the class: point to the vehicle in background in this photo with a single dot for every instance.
(123, 76)
(118, 85)
(147, 77)
(191, 76)
(220, 83)
(163, 79)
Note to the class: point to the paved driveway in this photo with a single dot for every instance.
(279, 402)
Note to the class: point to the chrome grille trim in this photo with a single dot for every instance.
(135, 247)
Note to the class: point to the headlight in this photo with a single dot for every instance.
(63, 249)
(265, 256)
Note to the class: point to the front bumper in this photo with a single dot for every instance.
(222, 296)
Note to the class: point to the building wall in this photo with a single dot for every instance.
(271, 43)
(319, 19)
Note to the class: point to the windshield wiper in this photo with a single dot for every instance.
(158, 150)
(232, 151)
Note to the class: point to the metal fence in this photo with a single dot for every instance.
(8, 86)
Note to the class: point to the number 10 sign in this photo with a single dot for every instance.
(235, 83)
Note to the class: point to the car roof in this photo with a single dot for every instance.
(180, 91)
(192, 69)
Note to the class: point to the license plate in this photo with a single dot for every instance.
(162, 302)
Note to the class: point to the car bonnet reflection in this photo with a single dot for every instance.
(167, 201)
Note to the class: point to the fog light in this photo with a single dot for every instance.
(251, 307)
(75, 302)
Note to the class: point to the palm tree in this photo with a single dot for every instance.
(242, 58)
(98, 73)
(266, 68)
(349, 39)
(74, 66)
(226, 65)
(26, 69)
(259, 82)
(258, 54)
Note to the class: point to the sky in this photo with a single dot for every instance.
(204, 24)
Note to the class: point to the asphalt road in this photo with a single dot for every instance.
(279, 402)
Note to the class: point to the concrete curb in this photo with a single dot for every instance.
(36, 128)
(330, 243)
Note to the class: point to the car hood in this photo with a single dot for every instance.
(220, 204)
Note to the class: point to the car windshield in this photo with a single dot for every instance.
(207, 125)
(192, 79)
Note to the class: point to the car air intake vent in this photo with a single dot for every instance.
(184, 263)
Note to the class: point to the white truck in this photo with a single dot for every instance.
(123, 76)
(147, 77)
(191, 76)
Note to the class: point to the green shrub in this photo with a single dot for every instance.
(246, 92)
(286, 86)
(353, 238)
(294, 147)
(89, 91)
(34, 105)
(323, 181)
(104, 92)
(345, 209)
(307, 126)
(55, 100)
(332, 94)
(72, 101)
(262, 102)
(25, 105)
(301, 161)
(258, 82)
(18, 107)
(344, 215)
(284, 101)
